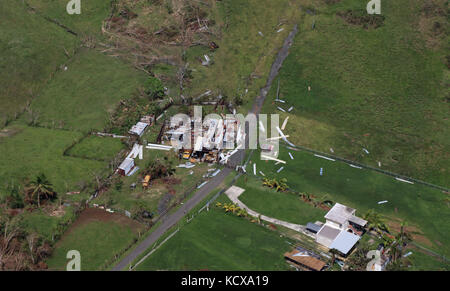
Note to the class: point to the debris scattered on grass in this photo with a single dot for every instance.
(331, 150)
(284, 123)
(321, 171)
(323, 157)
(280, 169)
(254, 169)
(273, 159)
(403, 180)
(366, 151)
(207, 61)
(201, 185)
(281, 109)
(280, 30)
(291, 156)
(407, 254)
(353, 166)
(382, 202)
(290, 108)
(260, 33)
(262, 173)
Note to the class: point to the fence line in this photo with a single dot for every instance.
(395, 175)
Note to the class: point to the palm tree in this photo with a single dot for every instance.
(375, 221)
(40, 187)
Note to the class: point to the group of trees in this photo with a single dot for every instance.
(36, 190)
(394, 245)
(279, 186)
(20, 250)
(159, 168)
(233, 208)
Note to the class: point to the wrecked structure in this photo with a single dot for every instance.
(214, 140)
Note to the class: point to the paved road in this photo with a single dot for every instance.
(236, 159)
(172, 219)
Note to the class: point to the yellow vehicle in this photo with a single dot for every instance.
(187, 154)
(146, 181)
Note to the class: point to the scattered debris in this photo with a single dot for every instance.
(405, 181)
(273, 159)
(188, 165)
(201, 185)
(207, 61)
(353, 166)
(382, 202)
(366, 151)
(260, 33)
(290, 108)
(276, 137)
(280, 169)
(158, 147)
(331, 150)
(407, 254)
(254, 169)
(215, 173)
(284, 123)
(134, 170)
(279, 100)
(291, 156)
(321, 171)
(280, 30)
(323, 157)
(262, 173)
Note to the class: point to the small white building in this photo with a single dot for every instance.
(126, 167)
(138, 129)
(342, 229)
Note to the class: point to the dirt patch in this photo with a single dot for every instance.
(95, 214)
(8, 132)
(432, 23)
(57, 212)
(361, 18)
(416, 233)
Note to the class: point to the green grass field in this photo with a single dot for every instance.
(381, 89)
(244, 57)
(88, 23)
(284, 206)
(32, 49)
(215, 240)
(46, 226)
(424, 262)
(96, 148)
(97, 242)
(421, 206)
(29, 151)
(81, 97)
